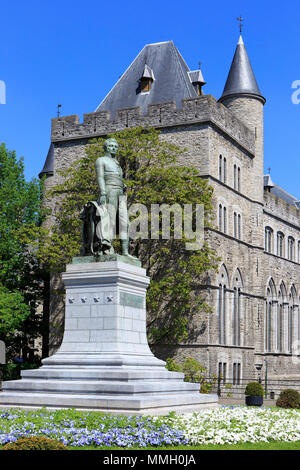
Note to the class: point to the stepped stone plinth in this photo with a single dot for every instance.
(104, 362)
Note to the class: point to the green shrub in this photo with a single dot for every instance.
(288, 398)
(34, 443)
(254, 389)
(205, 388)
(193, 372)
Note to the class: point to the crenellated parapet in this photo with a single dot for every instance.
(203, 109)
(281, 209)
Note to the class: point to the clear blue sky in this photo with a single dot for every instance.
(73, 52)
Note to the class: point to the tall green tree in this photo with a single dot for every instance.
(20, 276)
(153, 176)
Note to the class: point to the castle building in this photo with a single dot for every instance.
(255, 292)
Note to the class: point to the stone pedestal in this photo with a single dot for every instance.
(104, 362)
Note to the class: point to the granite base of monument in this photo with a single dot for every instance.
(104, 362)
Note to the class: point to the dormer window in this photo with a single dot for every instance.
(197, 80)
(146, 79)
(198, 88)
(145, 84)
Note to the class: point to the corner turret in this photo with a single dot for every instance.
(243, 97)
(241, 80)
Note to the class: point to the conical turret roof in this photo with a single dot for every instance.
(241, 79)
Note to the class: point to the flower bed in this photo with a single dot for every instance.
(88, 429)
(225, 425)
(239, 424)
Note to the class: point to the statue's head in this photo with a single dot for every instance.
(111, 146)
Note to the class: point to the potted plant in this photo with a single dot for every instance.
(254, 394)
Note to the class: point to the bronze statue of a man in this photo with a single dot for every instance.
(112, 193)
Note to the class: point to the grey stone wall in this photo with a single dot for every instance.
(207, 129)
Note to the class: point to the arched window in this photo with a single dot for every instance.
(237, 225)
(291, 317)
(222, 218)
(220, 168)
(269, 310)
(282, 299)
(298, 251)
(268, 240)
(234, 177)
(291, 249)
(280, 244)
(237, 309)
(222, 305)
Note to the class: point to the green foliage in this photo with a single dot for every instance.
(193, 372)
(20, 276)
(254, 389)
(152, 176)
(13, 311)
(288, 398)
(35, 443)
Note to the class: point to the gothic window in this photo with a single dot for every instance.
(299, 252)
(268, 240)
(269, 311)
(222, 372)
(291, 249)
(222, 305)
(236, 309)
(292, 307)
(280, 244)
(236, 373)
(236, 178)
(282, 299)
(235, 224)
(222, 218)
(290, 328)
(222, 169)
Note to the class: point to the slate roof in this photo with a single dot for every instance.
(171, 80)
(241, 78)
(282, 194)
(48, 167)
(279, 192)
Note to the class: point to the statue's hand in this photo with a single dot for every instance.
(102, 200)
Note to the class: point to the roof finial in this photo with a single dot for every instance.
(240, 19)
(199, 65)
